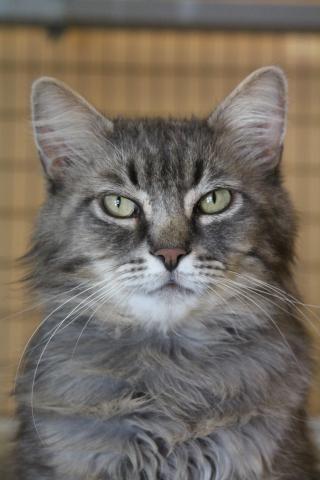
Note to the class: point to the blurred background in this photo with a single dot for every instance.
(145, 58)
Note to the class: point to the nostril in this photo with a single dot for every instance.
(170, 256)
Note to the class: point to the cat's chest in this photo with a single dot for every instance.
(187, 375)
(182, 390)
(97, 373)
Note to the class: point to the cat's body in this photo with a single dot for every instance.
(172, 347)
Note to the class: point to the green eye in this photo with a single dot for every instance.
(120, 207)
(215, 201)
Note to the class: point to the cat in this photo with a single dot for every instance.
(172, 346)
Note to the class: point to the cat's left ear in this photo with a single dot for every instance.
(67, 129)
(251, 122)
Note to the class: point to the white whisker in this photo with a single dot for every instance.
(105, 298)
(268, 316)
(57, 328)
(281, 295)
(45, 320)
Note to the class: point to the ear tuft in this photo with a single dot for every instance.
(64, 124)
(251, 121)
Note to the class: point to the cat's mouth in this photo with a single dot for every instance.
(172, 286)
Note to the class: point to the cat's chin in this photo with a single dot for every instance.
(162, 307)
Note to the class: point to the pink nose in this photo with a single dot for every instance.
(170, 257)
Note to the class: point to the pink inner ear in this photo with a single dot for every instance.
(57, 167)
(50, 155)
(271, 144)
(47, 151)
(54, 169)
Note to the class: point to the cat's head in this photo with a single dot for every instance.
(159, 218)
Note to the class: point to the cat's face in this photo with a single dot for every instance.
(161, 218)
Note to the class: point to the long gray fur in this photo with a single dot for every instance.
(208, 383)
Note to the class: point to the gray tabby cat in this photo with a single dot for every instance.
(171, 347)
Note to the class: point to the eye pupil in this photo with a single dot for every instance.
(215, 202)
(118, 206)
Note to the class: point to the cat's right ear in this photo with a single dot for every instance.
(66, 127)
(250, 123)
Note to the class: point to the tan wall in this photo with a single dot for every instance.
(146, 73)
